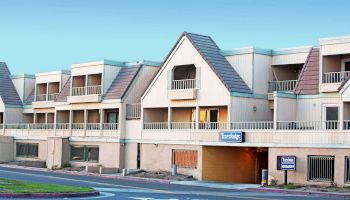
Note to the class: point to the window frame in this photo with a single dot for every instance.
(85, 148)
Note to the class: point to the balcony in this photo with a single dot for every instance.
(332, 80)
(183, 89)
(287, 85)
(85, 94)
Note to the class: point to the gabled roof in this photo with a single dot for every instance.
(211, 53)
(308, 80)
(8, 91)
(62, 96)
(122, 82)
(29, 100)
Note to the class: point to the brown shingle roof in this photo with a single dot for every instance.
(62, 96)
(122, 82)
(309, 77)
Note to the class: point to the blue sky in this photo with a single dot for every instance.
(39, 36)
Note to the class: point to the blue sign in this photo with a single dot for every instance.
(288, 162)
(237, 137)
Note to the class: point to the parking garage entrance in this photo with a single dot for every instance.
(233, 164)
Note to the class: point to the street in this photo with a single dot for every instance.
(137, 190)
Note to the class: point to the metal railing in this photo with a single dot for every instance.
(155, 125)
(346, 124)
(308, 125)
(133, 111)
(63, 126)
(78, 91)
(41, 97)
(110, 126)
(320, 168)
(94, 89)
(52, 96)
(335, 77)
(213, 125)
(287, 85)
(183, 84)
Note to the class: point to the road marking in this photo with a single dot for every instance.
(82, 181)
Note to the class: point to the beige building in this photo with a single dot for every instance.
(217, 115)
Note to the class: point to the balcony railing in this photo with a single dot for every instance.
(155, 125)
(335, 77)
(95, 89)
(41, 97)
(133, 111)
(52, 96)
(65, 126)
(78, 91)
(183, 125)
(255, 125)
(308, 125)
(288, 85)
(183, 84)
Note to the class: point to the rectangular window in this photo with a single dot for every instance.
(321, 168)
(347, 169)
(27, 150)
(347, 65)
(185, 158)
(85, 153)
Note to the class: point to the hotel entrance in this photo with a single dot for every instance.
(234, 164)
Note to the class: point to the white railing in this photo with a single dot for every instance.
(253, 125)
(214, 125)
(287, 85)
(78, 91)
(308, 125)
(93, 126)
(41, 126)
(183, 125)
(183, 84)
(155, 125)
(52, 96)
(346, 124)
(63, 126)
(133, 111)
(110, 126)
(335, 77)
(95, 89)
(78, 126)
(41, 97)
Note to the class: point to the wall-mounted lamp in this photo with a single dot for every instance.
(156, 145)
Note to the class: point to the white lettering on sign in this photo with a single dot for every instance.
(235, 137)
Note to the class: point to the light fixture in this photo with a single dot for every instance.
(254, 108)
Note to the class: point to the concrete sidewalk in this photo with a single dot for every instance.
(232, 186)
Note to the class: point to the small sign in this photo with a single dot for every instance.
(286, 163)
(230, 136)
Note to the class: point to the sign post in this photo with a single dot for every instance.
(286, 163)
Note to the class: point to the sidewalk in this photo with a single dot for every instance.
(299, 192)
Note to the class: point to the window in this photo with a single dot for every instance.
(321, 168)
(185, 158)
(27, 150)
(347, 169)
(331, 116)
(84, 153)
(347, 65)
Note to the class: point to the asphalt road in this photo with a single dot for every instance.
(137, 190)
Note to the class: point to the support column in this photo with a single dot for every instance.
(341, 116)
(47, 92)
(86, 84)
(34, 118)
(85, 120)
(101, 120)
(46, 118)
(169, 117)
(70, 121)
(229, 117)
(197, 116)
(54, 121)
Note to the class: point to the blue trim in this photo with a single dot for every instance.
(22, 76)
(249, 95)
(304, 96)
(13, 106)
(286, 95)
(269, 52)
(27, 106)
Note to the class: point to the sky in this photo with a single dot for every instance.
(44, 35)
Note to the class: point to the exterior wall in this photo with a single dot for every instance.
(286, 59)
(334, 46)
(300, 175)
(13, 115)
(229, 164)
(156, 157)
(310, 109)
(109, 154)
(185, 54)
(42, 154)
(155, 115)
(7, 149)
(262, 73)
(130, 156)
(243, 64)
(182, 114)
(58, 152)
(242, 109)
(331, 64)
(285, 109)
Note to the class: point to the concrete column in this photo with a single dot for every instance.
(85, 120)
(341, 115)
(54, 121)
(169, 117)
(70, 120)
(229, 116)
(34, 118)
(86, 83)
(101, 119)
(47, 91)
(45, 118)
(197, 116)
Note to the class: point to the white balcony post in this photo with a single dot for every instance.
(86, 84)
(169, 117)
(70, 121)
(85, 120)
(197, 117)
(34, 118)
(46, 118)
(341, 116)
(101, 120)
(54, 121)
(47, 92)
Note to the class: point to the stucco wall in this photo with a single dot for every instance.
(6, 149)
(242, 109)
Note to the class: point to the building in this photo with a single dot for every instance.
(218, 115)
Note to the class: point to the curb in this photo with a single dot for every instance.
(126, 178)
(325, 194)
(49, 195)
